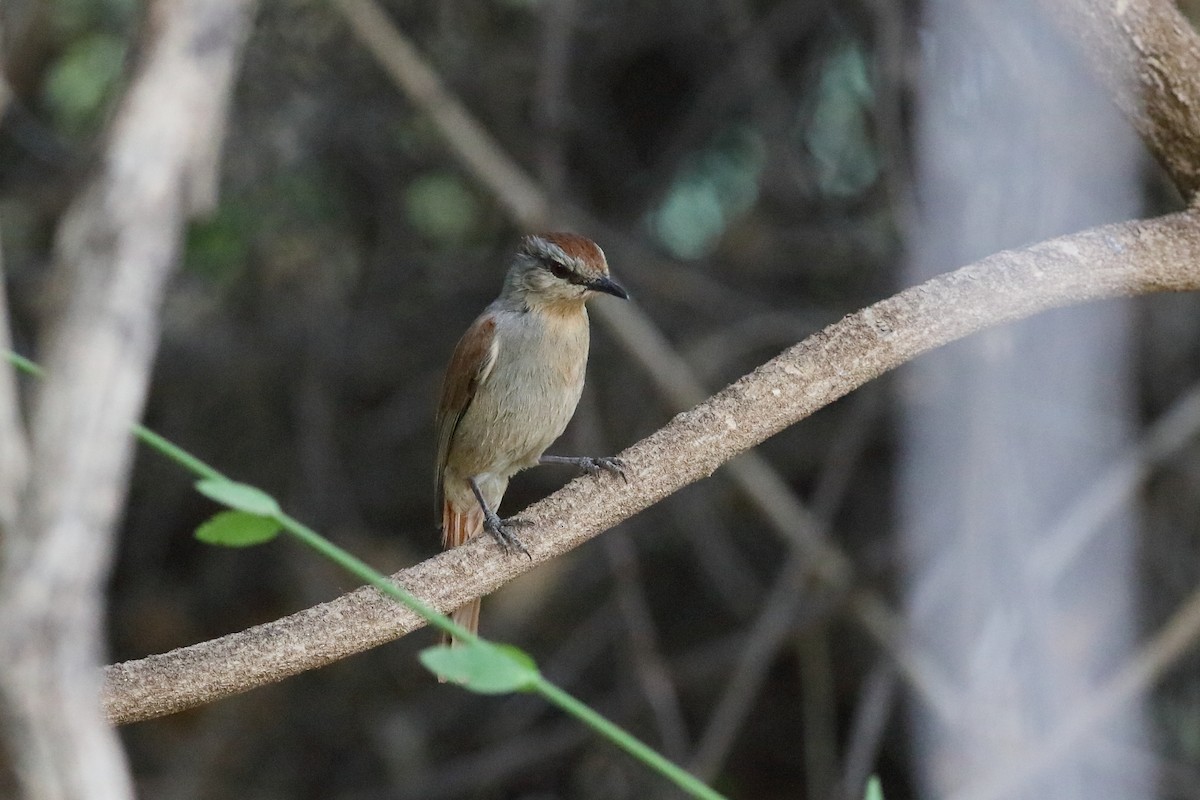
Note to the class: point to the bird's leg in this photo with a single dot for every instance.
(589, 464)
(499, 528)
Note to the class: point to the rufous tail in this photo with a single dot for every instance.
(459, 525)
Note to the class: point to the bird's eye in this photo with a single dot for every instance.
(559, 271)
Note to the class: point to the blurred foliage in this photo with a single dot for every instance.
(217, 248)
(839, 133)
(713, 187)
(74, 19)
(86, 73)
(286, 224)
(83, 81)
(442, 208)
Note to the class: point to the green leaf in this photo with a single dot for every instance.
(238, 529)
(874, 789)
(483, 667)
(239, 496)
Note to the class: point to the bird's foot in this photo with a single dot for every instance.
(501, 531)
(591, 465)
(595, 465)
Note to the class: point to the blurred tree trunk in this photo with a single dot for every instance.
(1004, 431)
(115, 250)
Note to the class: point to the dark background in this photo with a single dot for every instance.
(753, 165)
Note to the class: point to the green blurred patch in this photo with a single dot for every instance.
(73, 19)
(83, 80)
(300, 195)
(714, 187)
(839, 132)
(217, 248)
(291, 227)
(441, 207)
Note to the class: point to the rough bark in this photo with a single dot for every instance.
(1148, 56)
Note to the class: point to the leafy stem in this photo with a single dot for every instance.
(255, 517)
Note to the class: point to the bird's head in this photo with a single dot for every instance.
(559, 268)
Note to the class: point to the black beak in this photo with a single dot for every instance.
(608, 286)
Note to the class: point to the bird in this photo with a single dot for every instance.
(512, 386)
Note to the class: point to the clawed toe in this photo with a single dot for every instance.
(501, 531)
(613, 466)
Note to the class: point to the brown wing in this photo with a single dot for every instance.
(470, 365)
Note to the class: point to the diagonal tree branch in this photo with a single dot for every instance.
(1124, 259)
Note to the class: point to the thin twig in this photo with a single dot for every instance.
(471, 142)
(876, 698)
(818, 699)
(591, 638)
(493, 766)
(775, 623)
(721, 562)
(762, 643)
(651, 669)
(1110, 493)
(653, 675)
(713, 352)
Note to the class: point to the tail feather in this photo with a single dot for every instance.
(467, 616)
(459, 525)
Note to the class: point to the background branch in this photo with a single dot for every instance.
(1116, 260)
(1148, 56)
